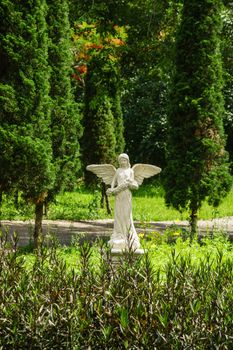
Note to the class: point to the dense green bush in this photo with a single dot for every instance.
(48, 305)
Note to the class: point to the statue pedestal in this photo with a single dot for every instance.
(118, 254)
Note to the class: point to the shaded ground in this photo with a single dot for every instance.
(91, 229)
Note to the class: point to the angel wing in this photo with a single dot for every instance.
(105, 171)
(142, 171)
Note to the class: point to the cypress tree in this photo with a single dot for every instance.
(99, 140)
(65, 114)
(197, 161)
(25, 139)
(103, 125)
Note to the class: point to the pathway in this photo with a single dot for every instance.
(91, 229)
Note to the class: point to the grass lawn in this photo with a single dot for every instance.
(148, 205)
(84, 204)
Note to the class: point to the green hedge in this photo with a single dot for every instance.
(48, 305)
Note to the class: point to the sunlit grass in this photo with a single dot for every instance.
(148, 205)
(84, 204)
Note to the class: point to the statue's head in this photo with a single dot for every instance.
(123, 160)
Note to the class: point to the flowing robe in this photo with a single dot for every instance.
(124, 233)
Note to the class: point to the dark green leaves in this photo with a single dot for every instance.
(197, 161)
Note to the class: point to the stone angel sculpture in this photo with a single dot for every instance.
(122, 181)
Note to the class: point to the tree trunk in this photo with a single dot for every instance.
(109, 211)
(102, 195)
(193, 222)
(105, 199)
(1, 193)
(46, 208)
(38, 222)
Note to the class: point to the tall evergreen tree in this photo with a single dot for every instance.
(197, 161)
(25, 138)
(103, 125)
(65, 113)
(102, 120)
(99, 139)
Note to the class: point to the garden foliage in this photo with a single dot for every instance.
(197, 166)
(65, 113)
(97, 305)
(39, 118)
(25, 139)
(97, 67)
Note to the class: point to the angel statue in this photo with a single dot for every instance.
(122, 181)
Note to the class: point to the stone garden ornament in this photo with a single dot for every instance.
(123, 180)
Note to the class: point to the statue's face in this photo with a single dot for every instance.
(123, 162)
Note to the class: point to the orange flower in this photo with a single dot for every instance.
(81, 69)
(75, 76)
(117, 42)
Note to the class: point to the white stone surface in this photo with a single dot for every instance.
(123, 180)
(117, 251)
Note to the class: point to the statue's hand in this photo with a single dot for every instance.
(126, 184)
(132, 185)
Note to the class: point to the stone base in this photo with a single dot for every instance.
(123, 244)
(118, 254)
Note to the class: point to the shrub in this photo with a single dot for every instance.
(102, 305)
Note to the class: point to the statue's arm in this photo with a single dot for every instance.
(115, 188)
